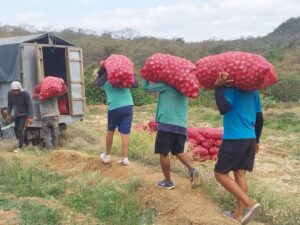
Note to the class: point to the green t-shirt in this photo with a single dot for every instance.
(117, 97)
(172, 106)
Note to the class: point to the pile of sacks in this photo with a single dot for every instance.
(204, 142)
(120, 71)
(175, 71)
(247, 70)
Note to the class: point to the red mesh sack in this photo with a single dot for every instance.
(63, 105)
(214, 157)
(218, 143)
(200, 150)
(212, 133)
(192, 143)
(175, 71)
(139, 126)
(194, 133)
(38, 88)
(52, 87)
(152, 125)
(213, 150)
(249, 71)
(120, 71)
(208, 143)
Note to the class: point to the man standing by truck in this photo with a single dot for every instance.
(49, 114)
(20, 101)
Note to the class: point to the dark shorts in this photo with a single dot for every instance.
(236, 155)
(167, 141)
(121, 118)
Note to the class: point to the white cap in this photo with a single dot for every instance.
(16, 85)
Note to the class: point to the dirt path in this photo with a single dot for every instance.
(180, 206)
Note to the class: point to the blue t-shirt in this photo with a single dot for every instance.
(239, 121)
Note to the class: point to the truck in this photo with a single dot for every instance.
(29, 59)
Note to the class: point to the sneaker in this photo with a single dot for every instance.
(124, 161)
(229, 215)
(17, 150)
(195, 178)
(105, 158)
(166, 184)
(251, 213)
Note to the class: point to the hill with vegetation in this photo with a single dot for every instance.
(281, 47)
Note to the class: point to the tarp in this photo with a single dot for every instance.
(10, 53)
(9, 62)
(34, 38)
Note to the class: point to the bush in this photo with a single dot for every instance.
(93, 94)
(206, 98)
(286, 90)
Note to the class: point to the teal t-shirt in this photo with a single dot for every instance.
(172, 106)
(239, 122)
(117, 97)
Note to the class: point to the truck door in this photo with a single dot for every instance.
(75, 80)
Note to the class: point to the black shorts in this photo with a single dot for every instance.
(167, 141)
(236, 155)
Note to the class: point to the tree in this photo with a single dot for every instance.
(126, 34)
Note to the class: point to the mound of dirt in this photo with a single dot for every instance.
(180, 206)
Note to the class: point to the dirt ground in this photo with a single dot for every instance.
(180, 206)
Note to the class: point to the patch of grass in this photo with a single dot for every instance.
(286, 121)
(30, 180)
(110, 203)
(83, 137)
(279, 209)
(8, 144)
(95, 110)
(32, 213)
(297, 151)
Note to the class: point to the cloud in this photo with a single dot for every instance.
(197, 20)
(88, 2)
(33, 18)
(193, 20)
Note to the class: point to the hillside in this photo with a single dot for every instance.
(285, 38)
(281, 47)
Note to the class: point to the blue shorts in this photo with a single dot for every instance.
(121, 118)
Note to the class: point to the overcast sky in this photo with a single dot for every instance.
(193, 20)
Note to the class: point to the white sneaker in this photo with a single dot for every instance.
(17, 150)
(124, 161)
(105, 158)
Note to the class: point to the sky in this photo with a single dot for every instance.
(192, 20)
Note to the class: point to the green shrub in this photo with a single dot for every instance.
(93, 94)
(286, 90)
(206, 98)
